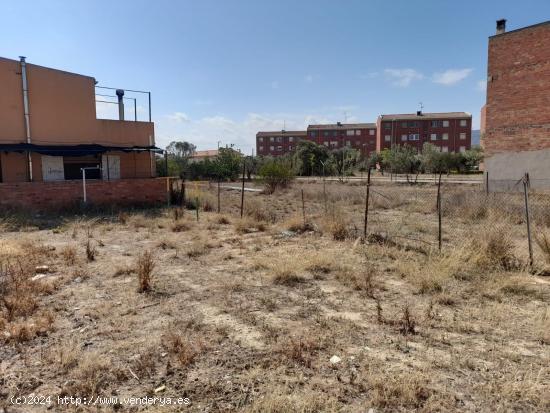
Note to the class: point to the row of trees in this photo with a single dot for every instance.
(310, 159)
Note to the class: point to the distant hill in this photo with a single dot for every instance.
(476, 136)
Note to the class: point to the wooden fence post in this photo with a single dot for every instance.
(527, 217)
(487, 182)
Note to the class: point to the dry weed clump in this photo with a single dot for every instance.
(24, 330)
(394, 392)
(184, 349)
(222, 219)
(17, 292)
(65, 355)
(320, 264)
(543, 241)
(304, 402)
(92, 375)
(296, 223)
(286, 272)
(336, 224)
(90, 250)
(494, 248)
(260, 212)
(181, 226)
(300, 350)
(247, 225)
(542, 327)
(197, 248)
(68, 254)
(144, 269)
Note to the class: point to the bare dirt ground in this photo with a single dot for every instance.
(266, 314)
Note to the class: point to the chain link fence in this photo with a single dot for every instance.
(412, 216)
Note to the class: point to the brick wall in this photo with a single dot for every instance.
(518, 91)
(55, 195)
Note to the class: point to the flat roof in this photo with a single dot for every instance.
(520, 29)
(282, 133)
(206, 153)
(414, 116)
(344, 126)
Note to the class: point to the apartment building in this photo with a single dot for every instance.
(359, 136)
(516, 117)
(278, 143)
(49, 134)
(450, 131)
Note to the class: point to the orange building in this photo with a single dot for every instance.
(49, 133)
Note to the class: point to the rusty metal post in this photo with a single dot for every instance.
(527, 217)
(367, 207)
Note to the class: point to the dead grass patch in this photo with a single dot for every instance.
(184, 349)
(247, 225)
(286, 273)
(394, 392)
(92, 375)
(144, 269)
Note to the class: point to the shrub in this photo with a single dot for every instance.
(144, 269)
(543, 241)
(275, 174)
(90, 250)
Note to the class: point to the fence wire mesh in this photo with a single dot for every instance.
(402, 214)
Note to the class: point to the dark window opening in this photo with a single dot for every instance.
(73, 165)
(1, 168)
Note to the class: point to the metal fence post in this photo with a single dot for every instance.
(303, 209)
(487, 182)
(197, 207)
(366, 207)
(439, 211)
(527, 218)
(242, 191)
(219, 206)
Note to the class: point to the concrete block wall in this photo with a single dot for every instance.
(57, 195)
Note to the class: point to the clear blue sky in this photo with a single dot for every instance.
(222, 70)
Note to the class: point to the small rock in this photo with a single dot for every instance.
(78, 279)
(42, 269)
(335, 359)
(288, 234)
(160, 388)
(39, 276)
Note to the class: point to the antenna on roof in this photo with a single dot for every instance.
(284, 125)
(419, 113)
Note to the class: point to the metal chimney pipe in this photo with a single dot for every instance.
(120, 94)
(26, 111)
(501, 26)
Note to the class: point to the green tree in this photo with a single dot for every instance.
(310, 158)
(404, 159)
(276, 173)
(344, 159)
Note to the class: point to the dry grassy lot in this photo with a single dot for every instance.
(246, 314)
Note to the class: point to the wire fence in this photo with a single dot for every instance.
(423, 216)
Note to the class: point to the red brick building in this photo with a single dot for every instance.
(360, 136)
(450, 131)
(516, 128)
(277, 143)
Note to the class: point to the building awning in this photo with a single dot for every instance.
(73, 150)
